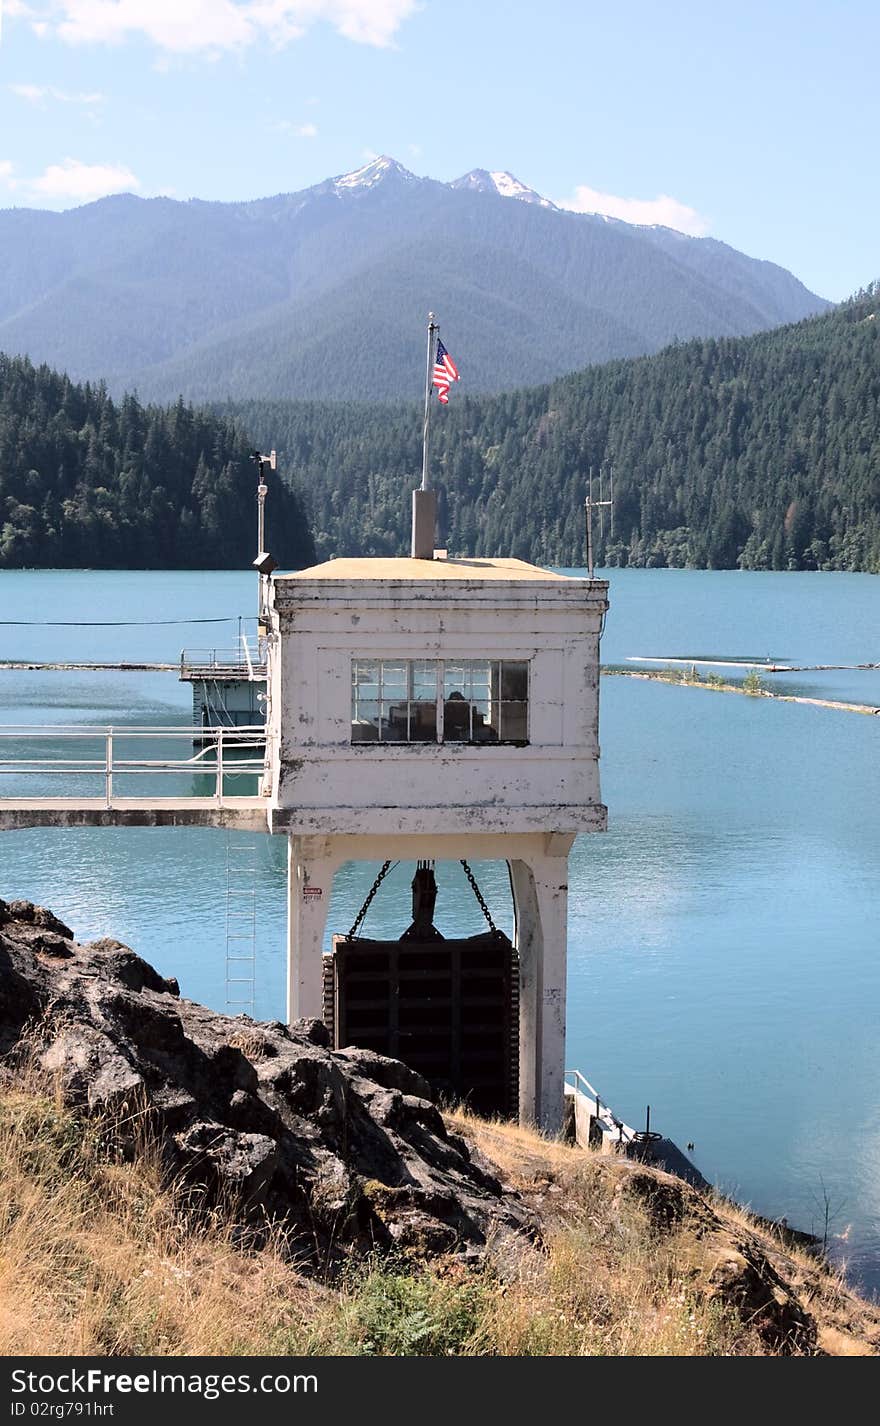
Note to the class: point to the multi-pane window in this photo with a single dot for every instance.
(439, 701)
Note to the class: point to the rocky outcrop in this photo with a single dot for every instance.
(768, 1274)
(344, 1151)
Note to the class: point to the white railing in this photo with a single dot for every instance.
(228, 758)
(242, 658)
(577, 1083)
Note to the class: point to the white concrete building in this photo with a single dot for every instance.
(439, 709)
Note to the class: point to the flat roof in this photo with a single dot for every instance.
(412, 569)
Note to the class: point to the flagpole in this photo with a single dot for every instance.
(424, 500)
(432, 328)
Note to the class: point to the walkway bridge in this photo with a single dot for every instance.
(120, 776)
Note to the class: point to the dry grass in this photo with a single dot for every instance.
(98, 1256)
(524, 1155)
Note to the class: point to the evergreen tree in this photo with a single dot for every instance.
(759, 452)
(84, 482)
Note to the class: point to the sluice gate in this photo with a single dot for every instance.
(449, 1008)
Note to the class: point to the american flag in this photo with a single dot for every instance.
(445, 371)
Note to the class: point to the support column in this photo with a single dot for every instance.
(540, 893)
(310, 871)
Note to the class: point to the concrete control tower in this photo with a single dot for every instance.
(439, 709)
(420, 709)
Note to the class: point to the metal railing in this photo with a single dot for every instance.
(243, 659)
(577, 1083)
(229, 759)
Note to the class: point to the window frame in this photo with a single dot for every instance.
(495, 668)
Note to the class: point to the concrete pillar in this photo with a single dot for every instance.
(540, 894)
(310, 871)
(424, 524)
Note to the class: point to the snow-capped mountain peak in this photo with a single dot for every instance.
(379, 170)
(372, 173)
(504, 184)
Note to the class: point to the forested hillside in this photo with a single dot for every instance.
(85, 481)
(760, 452)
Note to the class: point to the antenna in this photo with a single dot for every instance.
(264, 563)
(601, 505)
(263, 464)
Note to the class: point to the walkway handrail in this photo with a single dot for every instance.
(238, 659)
(222, 752)
(578, 1083)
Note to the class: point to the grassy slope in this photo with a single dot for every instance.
(97, 1256)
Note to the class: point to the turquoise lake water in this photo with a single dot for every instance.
(723, 939)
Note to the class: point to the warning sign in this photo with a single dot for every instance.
(312, 893)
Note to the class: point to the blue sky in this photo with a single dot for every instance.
(755, 123)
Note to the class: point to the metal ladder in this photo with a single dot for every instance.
(242, 866)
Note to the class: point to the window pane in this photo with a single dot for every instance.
(364, 695)
(394, 725)
(484, 730)
(514, 722)
(365, 722)
(423, 721)
(480, 681)
(394, 674)
(456, 679)
(365, 677)
(424, 679)
(456, 718)
(481, 707)
(514, 681)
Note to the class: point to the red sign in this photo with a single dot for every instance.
(312, 893)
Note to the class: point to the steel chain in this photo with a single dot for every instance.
(386, 867)
(479, 895)
(359, 919)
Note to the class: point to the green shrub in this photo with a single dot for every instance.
(753, 683)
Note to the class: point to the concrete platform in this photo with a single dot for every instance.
(246, 814)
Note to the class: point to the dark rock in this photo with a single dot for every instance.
(315, 1031)
(130, 970)
(28, 914)
(346, 1152)
(391, 1073)
(745, 1277)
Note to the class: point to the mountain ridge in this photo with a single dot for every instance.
(152, 294)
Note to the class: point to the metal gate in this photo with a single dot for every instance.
(448, 1008)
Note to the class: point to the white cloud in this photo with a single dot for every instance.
(667, 212)
(7, 168)
(19, 10)
(39, 93)
(192, 26)
(32, 92)
(298, 131)
(82, 182)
